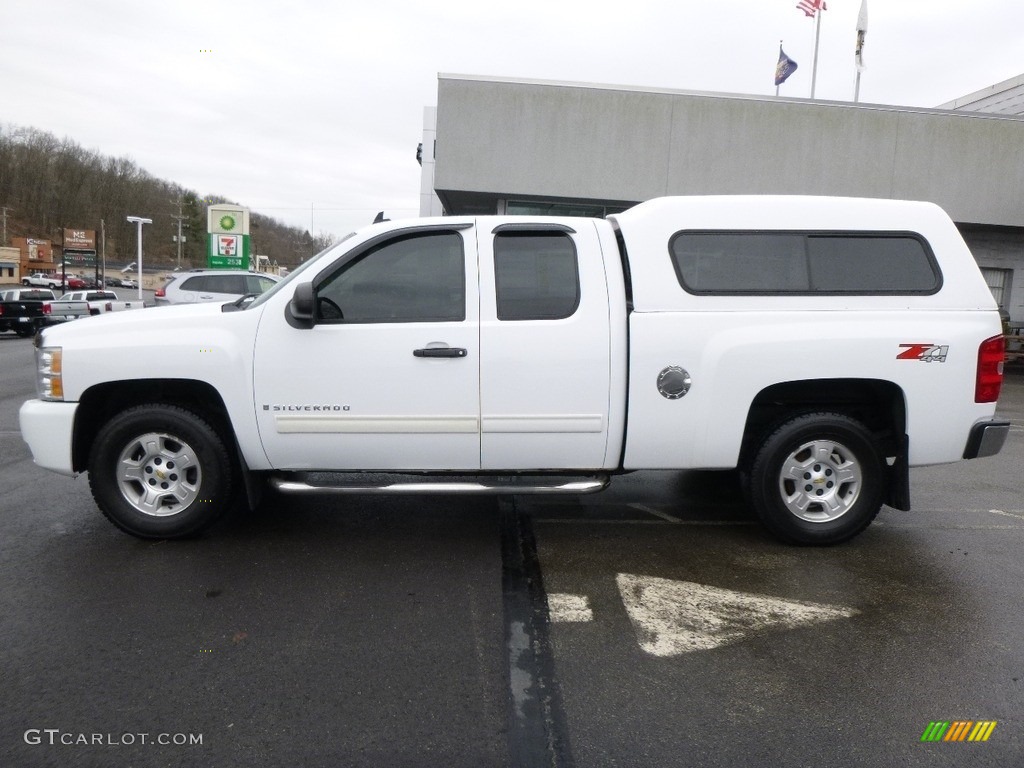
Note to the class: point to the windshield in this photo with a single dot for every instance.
(295, 273)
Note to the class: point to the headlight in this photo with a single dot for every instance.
(49, 370)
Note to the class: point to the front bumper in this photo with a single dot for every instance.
(986, 439)
(48, 428)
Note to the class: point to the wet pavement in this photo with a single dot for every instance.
(383, 631)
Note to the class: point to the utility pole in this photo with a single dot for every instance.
(5, 209)
(179, 217)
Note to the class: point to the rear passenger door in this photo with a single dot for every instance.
(545, 358)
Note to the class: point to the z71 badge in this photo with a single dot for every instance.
(929, 353)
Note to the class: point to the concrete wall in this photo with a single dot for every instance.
(1001, 249)
(548, 140)
(430, 204)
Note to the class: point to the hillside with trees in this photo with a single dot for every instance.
(49, 184)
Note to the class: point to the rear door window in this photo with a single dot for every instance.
(536, 276)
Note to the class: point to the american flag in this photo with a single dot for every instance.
(810, 7)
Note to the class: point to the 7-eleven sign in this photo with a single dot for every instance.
(227, 245)
(228, 251)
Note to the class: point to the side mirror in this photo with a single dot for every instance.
(300, 308)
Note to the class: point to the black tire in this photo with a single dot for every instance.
(160, 472)
(818, 479)
(25, 332)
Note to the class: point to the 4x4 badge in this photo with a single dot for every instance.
(929, 353)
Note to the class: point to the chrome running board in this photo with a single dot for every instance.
(331, 483)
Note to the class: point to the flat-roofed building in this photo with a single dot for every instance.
(521, 146)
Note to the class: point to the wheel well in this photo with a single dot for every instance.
(99, 403)
(879, 405)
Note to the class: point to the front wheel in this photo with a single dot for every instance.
(818, 479)
(160, 472)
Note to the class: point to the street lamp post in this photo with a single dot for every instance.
(138, 269)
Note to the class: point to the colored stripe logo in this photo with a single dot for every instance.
(958, 730)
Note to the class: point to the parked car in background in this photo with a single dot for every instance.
(113, 282)
(102, 301)
(200, 286)
(128, 282)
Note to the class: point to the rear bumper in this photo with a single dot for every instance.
(986, 439)
(48, 429)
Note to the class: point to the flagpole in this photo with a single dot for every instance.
(858, 58)
(817, 38)
(780, 55)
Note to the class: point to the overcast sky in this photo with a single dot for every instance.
(310, 110)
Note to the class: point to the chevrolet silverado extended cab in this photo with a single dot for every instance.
(822, 346)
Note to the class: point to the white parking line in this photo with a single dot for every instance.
(1007, 514)
(564, 608)
(941, 527)
(920, 515)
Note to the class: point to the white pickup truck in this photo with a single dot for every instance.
(52, 281)
(821, 345)
(102, 301)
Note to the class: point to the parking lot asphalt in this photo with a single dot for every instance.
(655, 624)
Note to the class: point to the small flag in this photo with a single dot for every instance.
(862, 30)
(784, 68)
(811, 7)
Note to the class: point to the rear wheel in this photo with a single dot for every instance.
(160, 472)
(818, 479)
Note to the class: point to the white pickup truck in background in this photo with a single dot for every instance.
(52, 281)
(102, 301)
(822, 346)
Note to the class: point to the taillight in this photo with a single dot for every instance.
(159, 293)
(47, 309)
(991, 354)
(108, 307)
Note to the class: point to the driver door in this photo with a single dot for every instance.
(388, 376)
